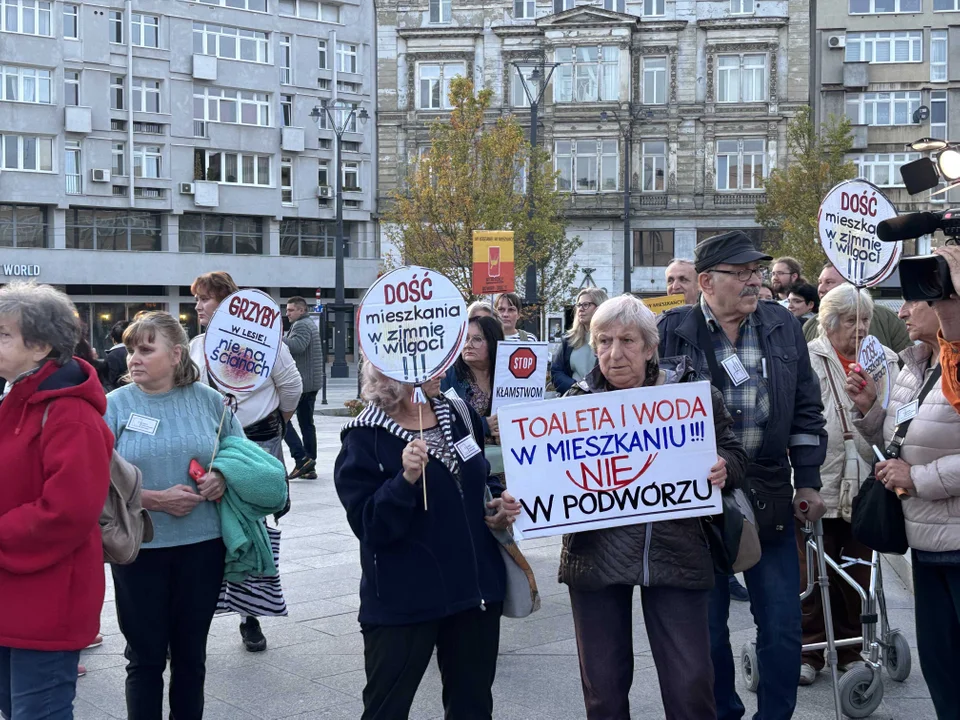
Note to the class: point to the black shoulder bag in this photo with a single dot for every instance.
(877, 519)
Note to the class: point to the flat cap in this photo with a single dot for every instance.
(733, 248)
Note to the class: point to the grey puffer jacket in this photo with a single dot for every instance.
(671, 553)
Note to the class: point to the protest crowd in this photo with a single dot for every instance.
(771, 361)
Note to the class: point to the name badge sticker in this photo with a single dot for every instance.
(467, 448)
(907, 412)
(735, 370)
(143, 424)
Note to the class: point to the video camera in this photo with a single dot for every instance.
(926, 277)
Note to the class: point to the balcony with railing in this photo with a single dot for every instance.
(740, 199)
(140, 193)
(200, 129)
(74, 183)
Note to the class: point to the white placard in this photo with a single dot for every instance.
(412, 324)
(242, 340)
(609, 459)
(521, 374)
(874, 362)
(847, 222)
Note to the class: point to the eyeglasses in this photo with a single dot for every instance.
(745, 275)
(585, 305)
(778, 273)
(476, 341)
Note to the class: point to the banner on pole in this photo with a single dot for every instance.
(666, 302)
(412, 324)
(493, 270)
(242, 340)
(521, 374)
(873, 360)
(607, 459)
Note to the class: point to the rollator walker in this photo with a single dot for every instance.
(859, 691)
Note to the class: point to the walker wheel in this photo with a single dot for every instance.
(749, 668)
(896, 656)
(853, 688)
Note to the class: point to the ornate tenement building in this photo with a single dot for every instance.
(708, 85)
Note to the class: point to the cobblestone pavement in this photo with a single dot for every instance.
(313, 667)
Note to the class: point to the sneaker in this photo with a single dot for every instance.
(253, 639)
(309, 476)
(737, 591)
(304, 465)
(81, 670)
(97, 642)
(808, 673)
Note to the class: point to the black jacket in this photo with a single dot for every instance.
(116, 367)
(796, 421)
(418, 565)
(670, 553)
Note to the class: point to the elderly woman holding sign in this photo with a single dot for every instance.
(845, 316)
(263, 412)
(669, 560)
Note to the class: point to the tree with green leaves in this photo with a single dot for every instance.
(473, 178)
(817, 162)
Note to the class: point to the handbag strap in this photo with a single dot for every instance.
(893, 450)
(706, 346)
(847, 434)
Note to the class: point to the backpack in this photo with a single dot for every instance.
(124, 524)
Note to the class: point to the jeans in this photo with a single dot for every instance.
(38, 684)
(937, 608)
(774, 587)
(308, 448)
(166, 599)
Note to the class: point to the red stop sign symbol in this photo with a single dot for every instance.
(523, 363)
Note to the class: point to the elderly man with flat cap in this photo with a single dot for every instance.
(755, 354)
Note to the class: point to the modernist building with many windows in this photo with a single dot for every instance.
(707, 87)
(143, 142)
(878, 62)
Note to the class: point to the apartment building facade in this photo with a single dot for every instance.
(143, 142)
(703, 87)
(880, 62)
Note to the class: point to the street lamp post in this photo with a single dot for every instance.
(339, 368)
(534, 86)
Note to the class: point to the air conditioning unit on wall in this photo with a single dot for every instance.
(837, 41)
(324, 191)
(100, 175)
(187, 189)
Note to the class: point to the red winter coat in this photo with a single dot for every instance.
(53, 484)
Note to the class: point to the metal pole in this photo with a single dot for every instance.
(627, 260)
(323, 351)
(531, 276)
(339, 368)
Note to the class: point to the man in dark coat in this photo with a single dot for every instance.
(774, 398)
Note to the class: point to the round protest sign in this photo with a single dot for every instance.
(847, 222)
(242, 340)
(874, 363)
(412, 324)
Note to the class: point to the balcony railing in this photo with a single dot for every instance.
(200, 128)
(116, 124)
(739, 198)
(74, 184)
(148, 128)
(141, 193)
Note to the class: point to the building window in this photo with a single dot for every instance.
(23, 226)
(231, 167)
(311, 10)
(882, 169)
(221, 234)
(885, 47)
(524, 9)
(741, 7)
(286, 180)
(27, 17)
(323, 175)
(518, 96)
(350, 146)
(938, 114)
(615, 5)
(741, 164)
(116, 27)
(146, 95)
(308, 238)
(238, 107)
(25, 84)
(351, 176)
(71, 87)
(347, 57)
(324, 144)
(741, 78)
(72, 168)
(440, 11)
(286, 110)
(145, 30)
(116, 92)
(434, 84)
(939, 5)
(652, 248)
(345, 117)
(323, 62)
(875, 7)
(118, 154)
(886, 108)
(147, 161)
(71, 21)
(286, 61)
(654, 80)
(230, 43)
(27, 152)
(587, 74)
(938, 56)
(652, 8)
(654, 164)
(89, 229)
(256, 5)
(349, 87)
(587, 166)
(561, 5)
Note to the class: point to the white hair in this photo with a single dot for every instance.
(377, 389)
(630, 312)
(843, 301)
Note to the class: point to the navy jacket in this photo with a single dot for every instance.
(560, 369)
(796, 421)
(418, 565)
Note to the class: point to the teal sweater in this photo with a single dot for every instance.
(188, 420)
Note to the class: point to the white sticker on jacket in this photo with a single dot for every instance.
(735, 370)
(907, 412)
(467, 448)
(142, 424)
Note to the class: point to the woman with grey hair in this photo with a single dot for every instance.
(575, 357)
(56, 471)
(432, 576)
(845, 316)
(669, 560)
